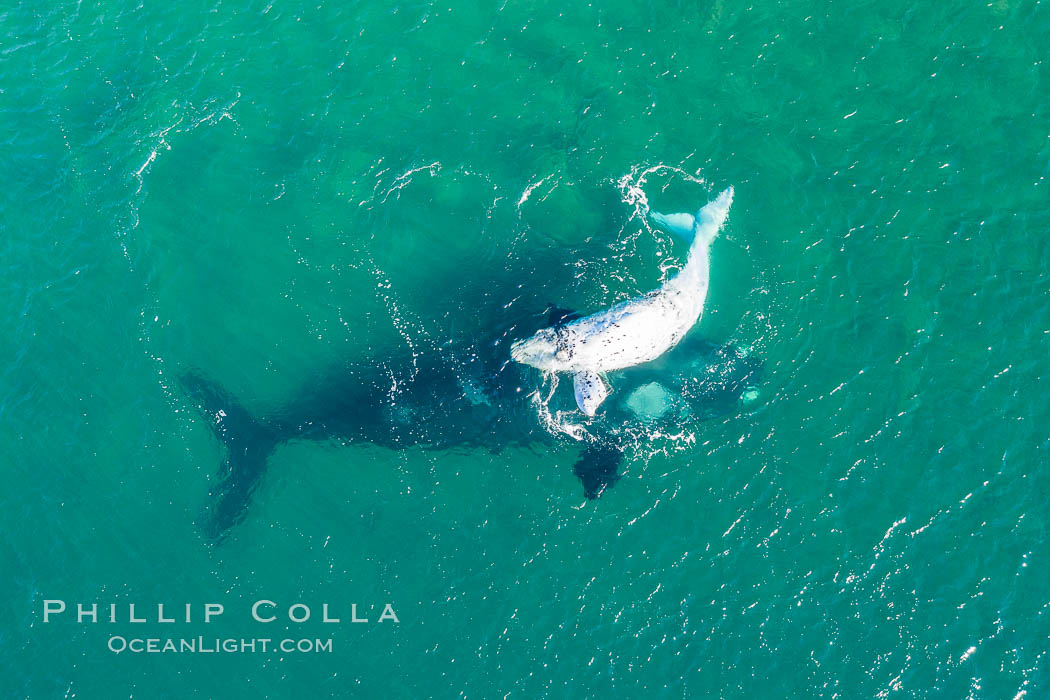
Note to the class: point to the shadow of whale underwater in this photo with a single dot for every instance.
(435, 402)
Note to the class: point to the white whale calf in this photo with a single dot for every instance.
(637, 330)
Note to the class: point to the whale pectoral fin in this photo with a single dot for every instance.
(598, 468)
(557, 316)
(590, 391)
(681, 225)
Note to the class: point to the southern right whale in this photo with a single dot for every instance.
(472, 395)
(635, 331)
(429, 400)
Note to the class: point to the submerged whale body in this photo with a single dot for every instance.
(434, 401)
(440, 405)
(638, 330)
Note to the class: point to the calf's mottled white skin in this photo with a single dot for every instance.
(637, 330)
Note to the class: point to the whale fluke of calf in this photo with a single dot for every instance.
(638, 330)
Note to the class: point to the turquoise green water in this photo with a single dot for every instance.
(258, 190)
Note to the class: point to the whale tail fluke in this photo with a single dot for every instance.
(702, 227)
(709, 220)
(680, 225)
(248, 442)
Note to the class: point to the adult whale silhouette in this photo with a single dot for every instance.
(638, 330)
(435, 402)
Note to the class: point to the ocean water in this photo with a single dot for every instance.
(262, 191)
